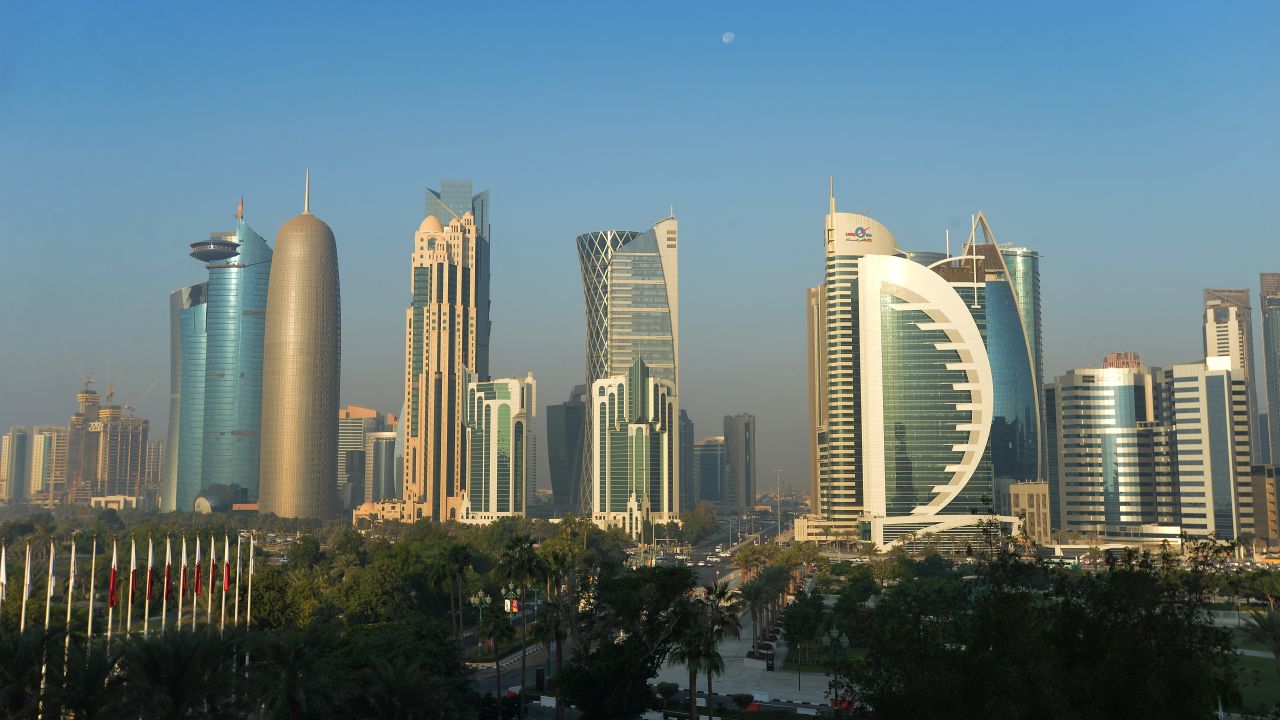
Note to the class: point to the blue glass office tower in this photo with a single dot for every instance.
(218, 365)
(184, 445)
(235, 320)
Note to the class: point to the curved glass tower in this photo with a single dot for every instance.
(907, 394)
(235, 320)
(630, 285)
(185, 443)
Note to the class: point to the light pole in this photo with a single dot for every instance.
(480, 600)
(778, 473)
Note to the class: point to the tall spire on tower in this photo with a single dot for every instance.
(306, 196)
(240, 209)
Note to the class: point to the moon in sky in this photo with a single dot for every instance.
(727, 38)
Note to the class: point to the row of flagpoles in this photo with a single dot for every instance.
(195, 585)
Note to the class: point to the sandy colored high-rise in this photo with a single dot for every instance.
(302, 355)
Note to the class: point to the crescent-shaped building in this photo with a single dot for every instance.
(302, 355)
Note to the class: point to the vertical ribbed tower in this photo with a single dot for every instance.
(301, 365)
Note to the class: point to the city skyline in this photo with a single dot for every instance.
(1067, 190)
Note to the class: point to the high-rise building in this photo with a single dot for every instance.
(13, 465)
(302, 354)
(1206, 405)
(634, 435)
(1005, 299)
(217, 329)
(446, 340)
(239, 265)
(499, 416)
(738, 491)
(1050, 405)
(122, 453)
(687, 494)
(1228, 332)
(902, 447)
(1270, 307)
(566, 425)
(1151, 453)
(48, 464)
(183, 463)
(709, 461)
(1030, 501)
(1266, 508)
(816, 354)
(1106, 469)
(83, 433)
(355, 423)
(380, 476)
(630, 285)
(154, 471)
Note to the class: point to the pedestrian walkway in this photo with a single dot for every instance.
(756, 680)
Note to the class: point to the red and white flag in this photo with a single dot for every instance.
(226, 566)
(213, 566)
(198, 566)
(182, 586)
(111, 584)
(168, 569)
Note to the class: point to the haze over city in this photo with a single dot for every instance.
(1133, 147)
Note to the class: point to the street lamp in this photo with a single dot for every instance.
(481, 600)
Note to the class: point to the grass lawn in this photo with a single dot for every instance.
(1240, 640)
(1259, 685)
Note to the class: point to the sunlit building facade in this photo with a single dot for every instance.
(634, 450)
(499, 422)
(902, 447)
(1228, 332)
(48, 464)
(630, 283)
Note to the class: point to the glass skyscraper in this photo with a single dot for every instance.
(902, 440)
(630, 285)
(709, 460)
(216, 359)
(1270, 307)
(566, 423)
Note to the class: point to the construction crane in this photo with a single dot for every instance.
(87, 379)
(133, 405)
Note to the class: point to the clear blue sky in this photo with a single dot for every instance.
(1134, 145)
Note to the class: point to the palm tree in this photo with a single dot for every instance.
(691, 649)
(754, 596)
(458, 558)
(1264, 628)
(20, 671)
(724, 619)
(494, 626)
(91, 687)
(171, 675)
(521, 565)
(283, 671)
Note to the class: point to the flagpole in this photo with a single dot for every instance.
(4, 578)
(164, 604)
(133, 584)
(248, 611)
(71, 589)
(146, 600)
(237, 595)
(213, 569)
(111, 590)
(195, 590)
(26, 592)
(93, 571)
(182, 587)
(226, 580)
(44, 644)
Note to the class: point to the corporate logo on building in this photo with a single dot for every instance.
(861, 233)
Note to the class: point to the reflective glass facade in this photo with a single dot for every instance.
(709, 459)
(566, 423)
(1270, 307)
(187, 362)
(235, 323)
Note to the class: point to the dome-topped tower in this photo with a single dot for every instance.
(301, 369)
